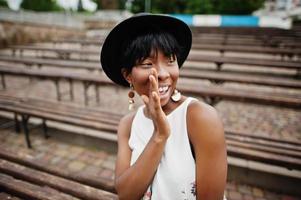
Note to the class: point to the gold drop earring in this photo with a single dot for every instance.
(131, 96)
(176, 96)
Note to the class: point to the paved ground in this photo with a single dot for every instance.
(93, 161)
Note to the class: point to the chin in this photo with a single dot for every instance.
(165, 100)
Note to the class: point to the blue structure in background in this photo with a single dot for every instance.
(188, 19)
(235, 20)
(249, 21)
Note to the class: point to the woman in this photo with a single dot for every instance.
(173, 147)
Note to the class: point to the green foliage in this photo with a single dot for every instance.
(3, 3)
(41, 5)
(171, 6)
(241, 7)
(138, 6)
(199, 7)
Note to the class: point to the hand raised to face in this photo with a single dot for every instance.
(153, 106)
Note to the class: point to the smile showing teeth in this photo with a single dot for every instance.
(163, 89)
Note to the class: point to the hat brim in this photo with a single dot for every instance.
(111, 52)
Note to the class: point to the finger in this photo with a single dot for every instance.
(156, 100)
(155, 74)
(153, 84)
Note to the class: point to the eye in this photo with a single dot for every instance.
(146, 63)
(171, 59)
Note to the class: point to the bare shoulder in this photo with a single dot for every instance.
(204, 123)
(202, 111)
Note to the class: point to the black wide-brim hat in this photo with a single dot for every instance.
(111, 52)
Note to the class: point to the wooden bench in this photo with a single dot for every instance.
(283, 52)
(193, 56)
(219, 61)
(32, 61)
(65, 53)
(78, 185)
(60, 52)
(86, 79)
(82, 42)
(63, 113)
(224, 40)
(260, 32)
(28, 183)
(220, 78)
(211, 94)
(279, 42)
(257, 148)
(192, 72)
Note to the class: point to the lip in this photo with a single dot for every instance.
(166, 93)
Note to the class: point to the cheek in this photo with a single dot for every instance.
(174, 74)
(140, 81)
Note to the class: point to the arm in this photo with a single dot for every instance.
(207, 137)
(131, 182)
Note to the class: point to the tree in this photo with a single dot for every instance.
(239, 7)
(40, 5)
(3, 3)
(80, 7)
(200, 7)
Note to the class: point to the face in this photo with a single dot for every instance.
(168, 73)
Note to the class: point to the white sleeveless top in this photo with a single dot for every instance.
(175, 176)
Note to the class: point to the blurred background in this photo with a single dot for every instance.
(59, 113)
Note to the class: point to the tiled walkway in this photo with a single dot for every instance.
(93, 161)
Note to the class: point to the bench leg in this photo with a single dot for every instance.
(86, 87)
(212, 100)
(222, 53)
(298, 74)
(3, 82)
(26, 131)
(58, 93)
(71, 89)
(17, 123)
(97, 94)
(219, 66)
(45, 129)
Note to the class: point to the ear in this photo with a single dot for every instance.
(126, 75)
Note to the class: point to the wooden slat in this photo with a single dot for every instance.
(97, 182)
(51, 62)
(195, 89)
(271, 158)
(244, 61)
(240, 95)
(5, 196)
(268, 142)
(58, 118)
(63, 185)
(262, 148)
(30, 191)
(213, 76)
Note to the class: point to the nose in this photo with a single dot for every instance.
(163, 73)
